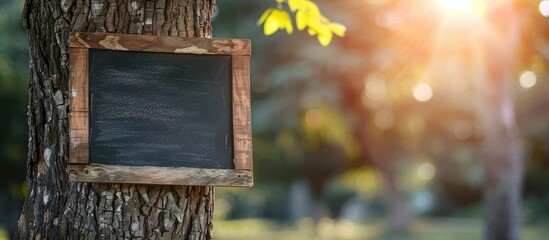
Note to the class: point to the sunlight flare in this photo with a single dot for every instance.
(461, 7)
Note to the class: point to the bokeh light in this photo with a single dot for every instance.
(527, 79)
(375, 87)
(314, 118)
(544, 8)
(423, 92)
(426, 171)
(390, 19)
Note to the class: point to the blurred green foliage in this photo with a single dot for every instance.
(13, 91)
(13, 121)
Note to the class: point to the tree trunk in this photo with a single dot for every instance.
(502, 157)
(397, 216)
(379, 153)
(501, 153)
(57, 209)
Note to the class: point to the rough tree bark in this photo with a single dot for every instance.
(57, 209)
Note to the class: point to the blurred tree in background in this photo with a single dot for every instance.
(13, 105)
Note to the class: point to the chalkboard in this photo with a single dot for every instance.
(159, 110)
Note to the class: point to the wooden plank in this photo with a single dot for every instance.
(242, 127)
(79, 137)
(147, 43)
(78, 79)
(78, 102)
(75, 168)
(161, 175)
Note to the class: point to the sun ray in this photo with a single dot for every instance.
(462, 7)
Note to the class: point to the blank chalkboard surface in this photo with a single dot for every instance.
(160, 109)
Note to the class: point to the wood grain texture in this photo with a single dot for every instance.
(242, 126)
(78, 83)
(79, 106)
(128, 42)
(161, 175)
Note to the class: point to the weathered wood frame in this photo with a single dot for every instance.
(80, 170)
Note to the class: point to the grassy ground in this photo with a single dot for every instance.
(327, 229)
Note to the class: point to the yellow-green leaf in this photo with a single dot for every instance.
(303, 5)
(318, 27)
(288, 26)
(277, 19)
(284, 20)
(338, 29)
(301, 20)
(308, 17)
(264, 16)
(293, 5)
(271, 25)
(322, 31)
(325, 38)
(323, 19)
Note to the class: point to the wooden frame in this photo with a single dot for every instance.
(79, 168)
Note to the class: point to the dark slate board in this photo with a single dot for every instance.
(160, 109)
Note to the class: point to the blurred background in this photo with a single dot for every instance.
(377, 136)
